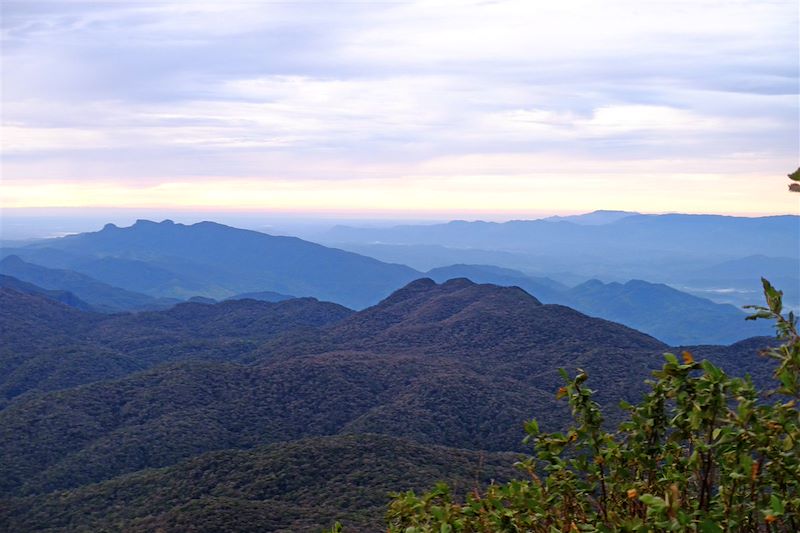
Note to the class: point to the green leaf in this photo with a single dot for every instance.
(532, 427)
(777, 505)
(653, 501)
(708, 526)
(773, 295)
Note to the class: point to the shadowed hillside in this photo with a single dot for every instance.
(300, 486)
(49, 346)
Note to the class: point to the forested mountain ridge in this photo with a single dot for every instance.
(149, 265)
(670, 315)
(455, 364)
(49, 346)
(431, 383)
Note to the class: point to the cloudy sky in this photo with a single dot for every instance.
(402, 107)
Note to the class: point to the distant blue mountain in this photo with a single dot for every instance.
(544, 289)
(668, 314)
(751, 267)
(64, 297)
(704, 254)
(263, 296)
(672, 316)
(628, 236)
(218, 261)
(213, 261)
(595, 218)
(100, 296)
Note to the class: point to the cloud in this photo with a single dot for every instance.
(141, 93)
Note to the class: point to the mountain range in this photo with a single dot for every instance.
(654, 308)
(155, 265)
(208, 259)
(674, 233)
(712, 256)
(243, 406)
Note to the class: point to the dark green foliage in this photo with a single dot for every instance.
(701, 452)
(456, 364)
(795, 176)
(297, 486)
(435, 363)
(48, 346)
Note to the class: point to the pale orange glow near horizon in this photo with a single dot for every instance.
(439, 195)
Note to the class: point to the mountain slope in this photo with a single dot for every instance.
(670, 315)
(545, 289)
(142, 276)
(48, 346)
(666, 313)
(300, 486)
(456, 364)
(101, 296)
(64, 297)
(232, 261)
(44, 347)
(264, 296)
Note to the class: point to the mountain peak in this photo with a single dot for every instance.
(420, 284)
(457, 284)
(423, 304)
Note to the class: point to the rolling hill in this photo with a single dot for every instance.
(48, 346)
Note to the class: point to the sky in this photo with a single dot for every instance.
(409, 108)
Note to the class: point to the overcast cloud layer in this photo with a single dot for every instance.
(499, 106)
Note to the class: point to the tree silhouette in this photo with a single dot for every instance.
(795, 176)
